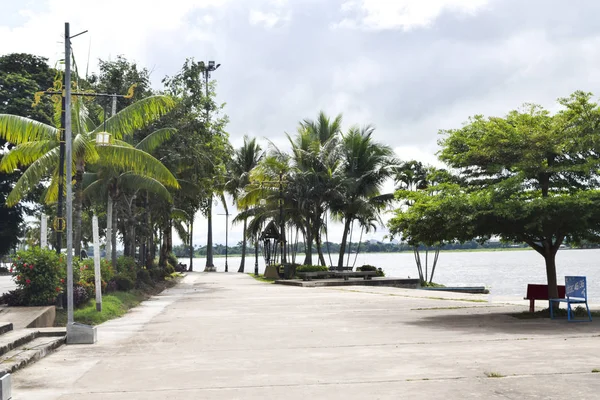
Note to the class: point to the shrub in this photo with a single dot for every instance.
(143, 276)
(169, 269)
(311, 268)
(80, 296)
(86, 270)
(172, 259)
(371, 268)
(126, 266)
(111, 286)
(180, 267)
(37, 272)
(156, 274)
(123, 282)
(13, 298)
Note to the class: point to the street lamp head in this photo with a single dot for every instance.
(218, 65)
(103, 139)
(211, 65)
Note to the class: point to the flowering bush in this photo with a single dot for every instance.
(86, 270)
(37, 272)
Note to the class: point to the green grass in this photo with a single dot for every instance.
(261, 278)
(494, 375)
(432, 284)
(595, 370)
(114, 305)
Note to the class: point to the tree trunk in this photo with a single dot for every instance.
(114, 236)
(109, 222)
(244, 242)
(347, 221)
(320, 249)
(210, 266)
(190, 268)
(550, 258)
(308, 246)
(77, 205)
(164, 248)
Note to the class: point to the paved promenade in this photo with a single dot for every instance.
(227, 336)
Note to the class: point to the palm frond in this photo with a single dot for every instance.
(25, 154)
(136, 116)
(17, 130)
(181, 232)
(39, 169)
(179, 214)
(138, 182)
(138, 161)
(155, 139)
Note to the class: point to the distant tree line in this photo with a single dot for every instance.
(182, 251)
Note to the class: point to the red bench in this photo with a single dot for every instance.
(540, 292)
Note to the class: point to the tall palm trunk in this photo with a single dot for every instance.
(347, 222)
(309, 242)
(318, 241)
(109, 224)
(244, 243)
(210, 266)
(114, 236)
(77, 206)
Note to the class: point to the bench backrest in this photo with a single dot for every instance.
(576, 287)
(540, 292)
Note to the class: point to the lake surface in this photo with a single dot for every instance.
(505, 273)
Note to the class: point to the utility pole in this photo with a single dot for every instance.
(210, 266)
(69, 162)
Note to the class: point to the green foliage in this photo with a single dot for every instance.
(311, 268)
(371, 268)
(114, 305)
(37, 272)
(87, 271)
(123, 282)
(127, 267)
(144, 277)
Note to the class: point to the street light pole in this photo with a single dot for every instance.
(69, 165)
(210, 266)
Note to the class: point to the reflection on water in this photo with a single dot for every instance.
(506, 273)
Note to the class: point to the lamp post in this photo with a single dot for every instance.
(210, 267)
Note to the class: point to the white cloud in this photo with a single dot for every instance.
(114, 27)
(402, 14)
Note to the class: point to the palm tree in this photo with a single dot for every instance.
(367, 164)
(37, 146)
(315, 161)
(243, 161)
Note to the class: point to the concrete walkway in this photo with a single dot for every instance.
(227, 336)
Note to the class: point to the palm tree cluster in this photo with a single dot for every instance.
(327, 175)
(144, 184)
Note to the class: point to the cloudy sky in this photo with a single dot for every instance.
(410, 67)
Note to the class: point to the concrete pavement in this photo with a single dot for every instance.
(227, 336)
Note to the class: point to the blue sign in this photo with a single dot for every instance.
(575, 286)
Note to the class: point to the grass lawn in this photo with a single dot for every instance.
(114, 305)
(261, 278)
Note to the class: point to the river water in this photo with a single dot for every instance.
(505, 273)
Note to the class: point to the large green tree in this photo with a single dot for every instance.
(21, 76)
(531, 176)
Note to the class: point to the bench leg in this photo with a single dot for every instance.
(531, 305)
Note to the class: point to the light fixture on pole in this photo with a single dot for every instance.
(103, 139)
